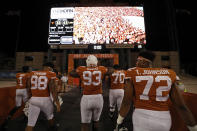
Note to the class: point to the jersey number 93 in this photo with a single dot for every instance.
(88, 77)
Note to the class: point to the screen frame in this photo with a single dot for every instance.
(85, 46)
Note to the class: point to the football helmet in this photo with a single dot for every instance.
(91, 61)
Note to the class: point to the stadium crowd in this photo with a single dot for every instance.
(107, 25)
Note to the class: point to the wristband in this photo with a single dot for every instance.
(120, 119)
(192, 128)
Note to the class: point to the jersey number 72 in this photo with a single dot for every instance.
(150, 80)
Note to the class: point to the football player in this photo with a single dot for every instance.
(64, 80)
(41, 84)
(91, 105)
(151, 90)
(58, 81)
(116, 92)
(21, 92)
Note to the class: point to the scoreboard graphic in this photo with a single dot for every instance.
(61, 26)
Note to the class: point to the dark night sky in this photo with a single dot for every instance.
(29, 27)
(33, 30)
(186, 26)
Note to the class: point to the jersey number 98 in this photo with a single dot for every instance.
(39, 82)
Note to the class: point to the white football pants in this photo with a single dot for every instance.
(148, 120)
(21, 94)
(115, 98)
(37, 104)
(91, 108)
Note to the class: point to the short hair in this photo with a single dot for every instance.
(116, 66)
(147, 54)
(49, 64)
(25, 68)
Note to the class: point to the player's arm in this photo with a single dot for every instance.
(179, 104)
(108, 82)
(29, 86)
(110, 70)
(127, 101)
(106, 77)
(60, 83)
(52, 88)
(108, 73)
(73, 73)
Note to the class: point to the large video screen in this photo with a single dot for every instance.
(97, 25)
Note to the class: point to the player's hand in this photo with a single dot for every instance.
(120, 127)
(58, 108)
(117, 127)
(193, 128)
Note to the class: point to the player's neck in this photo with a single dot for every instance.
(45, 69)
(145, 65)
(91, 66)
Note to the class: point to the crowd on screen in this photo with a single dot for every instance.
(107, 25)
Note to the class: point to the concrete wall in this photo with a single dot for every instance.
(58, 61)
(173, 61)
(36, 63)
(39, 59)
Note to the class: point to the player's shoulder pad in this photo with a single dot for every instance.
(107, 68)
(123, 70)
(130, 69)
(51, 72)
(102, 67)
(32, 72)
(79, 67)
(171, 71)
